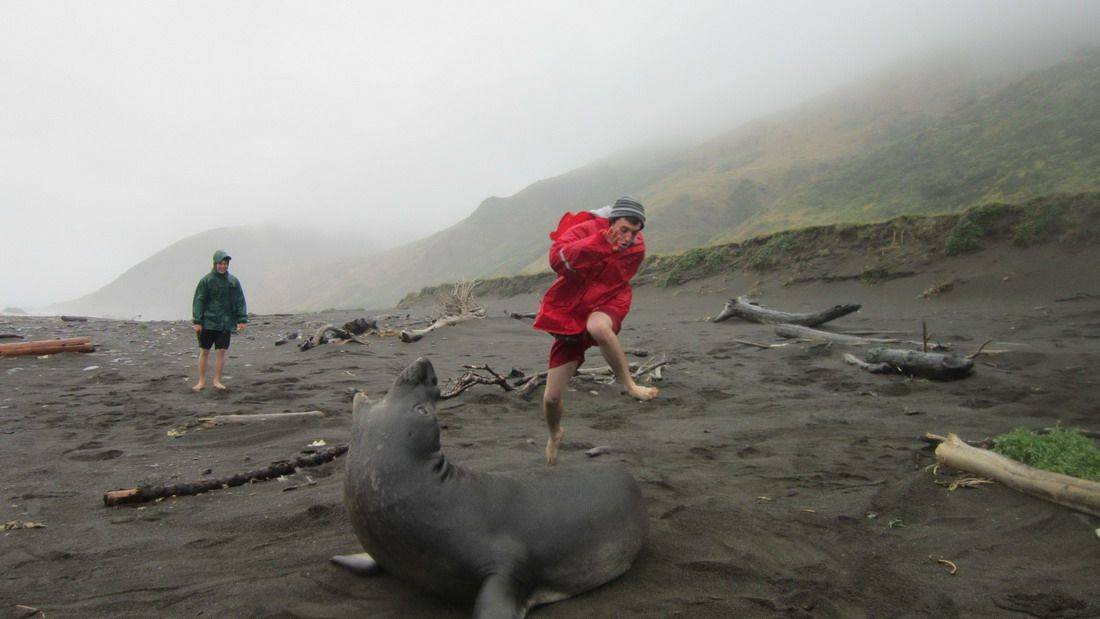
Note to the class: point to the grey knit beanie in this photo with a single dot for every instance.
(628, 207)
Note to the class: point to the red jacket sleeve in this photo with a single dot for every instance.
(579, 250)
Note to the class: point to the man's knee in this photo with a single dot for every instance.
(601, 332)
(551, 397)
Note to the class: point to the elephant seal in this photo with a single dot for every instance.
(506, 541)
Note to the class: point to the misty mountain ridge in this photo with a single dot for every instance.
(276, 263)
(938, 135)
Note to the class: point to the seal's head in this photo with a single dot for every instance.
(406, 416)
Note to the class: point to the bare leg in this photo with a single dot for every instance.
(600, 328)
(219, 363)
(557, 379)
(203, 354)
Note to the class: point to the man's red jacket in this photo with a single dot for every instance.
(590, 275)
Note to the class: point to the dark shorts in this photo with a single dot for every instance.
(217, 339)
(568, 348)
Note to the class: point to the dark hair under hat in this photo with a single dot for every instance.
(628, 207)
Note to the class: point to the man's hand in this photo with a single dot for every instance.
(241, 326)
(615, 238)
(197, 328)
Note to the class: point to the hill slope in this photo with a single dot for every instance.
(931, 137)
(274, 263)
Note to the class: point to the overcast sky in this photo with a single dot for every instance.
(125, 126)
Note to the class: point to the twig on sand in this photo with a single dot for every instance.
(221, 420)
(143, 494)
(1077, 297)
(763, 346)
(471, 377)
(979, 351)
(952, 569)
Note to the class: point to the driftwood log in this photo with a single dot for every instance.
(936, 366)
(74, 319)
(414, 335)
(47, 347)
(1079, 494)
(359, 326)
(745, 309)
(144, 494)
(339, 336)
(10, 336)
(223, 420)
(806, 333)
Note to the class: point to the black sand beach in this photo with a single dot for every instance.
(778, 482)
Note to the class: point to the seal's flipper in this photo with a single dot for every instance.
(500, 597)
(361, 564)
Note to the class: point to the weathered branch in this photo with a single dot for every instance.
(932, 365)
(414, 335)
(745, 309)
(10, 336)
(222, 420)
(144, 494)
(471, 377)
(806, 333)
(1079, 494)
(522, 315)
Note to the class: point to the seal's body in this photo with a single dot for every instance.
(510, 541)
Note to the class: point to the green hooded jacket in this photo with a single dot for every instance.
(219, 300)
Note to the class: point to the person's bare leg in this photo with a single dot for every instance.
(601, 329)
(203, 354)
(557, 380)
(219, 363)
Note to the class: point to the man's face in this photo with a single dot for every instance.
(222, 267)
(627, 230)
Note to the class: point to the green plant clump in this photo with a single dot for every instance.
(768, 254)
(963, 238)
(1064, 451)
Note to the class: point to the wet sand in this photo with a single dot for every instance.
(778, 482)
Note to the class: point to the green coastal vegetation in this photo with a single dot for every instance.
(1062, 450)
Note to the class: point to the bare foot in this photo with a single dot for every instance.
(639, 392)
(219, 386)
(552, 444)
(199, 386)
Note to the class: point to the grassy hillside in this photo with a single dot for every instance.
(694, 195)
(1034, 137)
(810, 253)
(935, 136)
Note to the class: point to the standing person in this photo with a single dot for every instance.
(595, 258)
(217, 311)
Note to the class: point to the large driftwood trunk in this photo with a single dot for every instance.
(1080, 494)
(47, 347)
(745, 309)
(934, 365)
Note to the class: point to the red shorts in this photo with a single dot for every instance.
(568, 348)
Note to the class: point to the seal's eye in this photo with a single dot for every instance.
(423, 410)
